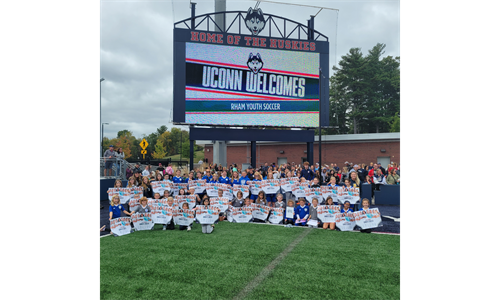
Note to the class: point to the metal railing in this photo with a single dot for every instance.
(120, 166)
(118, 169)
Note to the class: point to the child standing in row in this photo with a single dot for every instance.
(279, 201)
(170, 225)
(314, 213)
(329, 201)
(366, 206)
(289, 212)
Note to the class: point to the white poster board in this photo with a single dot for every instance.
(276, 215)
(245, 189)
(123, 193)
(161, 214)
(207, 214)
(184, 217)
(327, 213)
(271, 186)
(161, 186)
(260, 211)
(369, 218)
(241, 214)
(286, 183)
(142, 221)
(221, 202)
(199, 185)
(345, 221)
(189, 199)
(120, 226)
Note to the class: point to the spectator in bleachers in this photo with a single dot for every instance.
(373, 171)
(132, 182)
(378, 179)
(137, 176)
(147, 190)
(146, 171)
(160, 168)
(169, 170)
(392, 178)
(307, 173)
(355, 181)
(128, 172)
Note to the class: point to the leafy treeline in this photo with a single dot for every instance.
(162, 143)
(364, 93)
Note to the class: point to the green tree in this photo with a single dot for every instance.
(395, 123)
(159, 150)
(185, 150)
(351, 86)
(364, 91)
(383, 89)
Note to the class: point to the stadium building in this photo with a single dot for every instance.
(355, 148)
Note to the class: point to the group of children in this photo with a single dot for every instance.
(298, 215)
(116, 208)
(303, 213)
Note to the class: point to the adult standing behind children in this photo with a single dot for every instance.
(307, 173)
(109, 158)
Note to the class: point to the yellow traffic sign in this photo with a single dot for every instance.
(144, 151)
(144, 144)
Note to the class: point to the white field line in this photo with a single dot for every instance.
(270, 267)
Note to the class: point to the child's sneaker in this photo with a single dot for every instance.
(189, 228)
(164, 227)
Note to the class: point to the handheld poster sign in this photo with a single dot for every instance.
(184, 217)
(369, 218)
(276, 216)
(120, 226)
(207, 214)
(327, 213)
(345, 221)
(161, 214)
(142, 221)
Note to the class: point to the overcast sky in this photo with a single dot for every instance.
(136, 49)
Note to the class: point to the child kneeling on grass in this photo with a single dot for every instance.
(207, 228)
(181, 227)
(143, 207)
(301, 213)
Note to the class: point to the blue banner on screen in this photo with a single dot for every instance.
(228, 85)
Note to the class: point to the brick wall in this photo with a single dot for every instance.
(356, 152)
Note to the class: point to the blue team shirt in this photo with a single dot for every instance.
(178, 179)
(206, 178)
(243, 180)
(236, 181)
(116, 210)
(302, 212)
(224, 180)
(348, 210)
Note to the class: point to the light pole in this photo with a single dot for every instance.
(102, 137)
(100, 133)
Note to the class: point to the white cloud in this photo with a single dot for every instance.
(136, 49)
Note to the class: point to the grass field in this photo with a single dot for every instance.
(190, 265)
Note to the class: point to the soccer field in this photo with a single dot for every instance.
(250, 261)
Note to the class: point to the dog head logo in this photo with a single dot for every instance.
(255, 63)
(255, 21)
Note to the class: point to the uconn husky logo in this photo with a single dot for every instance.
(255, 21)
(255, 63)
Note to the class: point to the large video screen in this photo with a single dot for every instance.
(244, 86)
